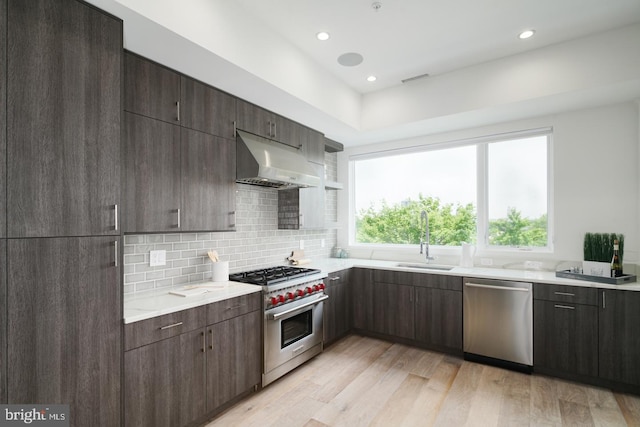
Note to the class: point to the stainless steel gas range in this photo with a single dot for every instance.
(292, 303)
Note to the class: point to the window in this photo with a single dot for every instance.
(493, 191)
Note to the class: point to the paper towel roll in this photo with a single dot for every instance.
(220, 271)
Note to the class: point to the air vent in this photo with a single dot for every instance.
(410, 79)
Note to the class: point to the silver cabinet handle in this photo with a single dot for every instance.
(331, 279)
(300, 307)
(173, 325)
(567, 294)
(301, 222)
(178, 217)
(115, 251)
(204, 342)
(233, 222)
(275, 129)
(566, 307)
(211, 335)
(499, 288)
(178, 110)
(234, 128)
(115, 217)
(604, 304)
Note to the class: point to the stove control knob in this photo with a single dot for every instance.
(316, 288)
(274, 301)
(280, 298)
(309, 290)
(300, 292)
(289, 295)
(321, 286)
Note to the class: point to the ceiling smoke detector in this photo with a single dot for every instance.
(376, 5)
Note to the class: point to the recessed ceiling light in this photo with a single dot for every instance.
(372, 78)
(526, 34)
(322, 35)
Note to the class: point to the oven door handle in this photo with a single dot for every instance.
(293, 310)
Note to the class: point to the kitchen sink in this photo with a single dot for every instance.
(426, 266)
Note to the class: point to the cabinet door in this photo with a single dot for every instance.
(336, 321)
(3, 320)
(439, 317)
(619, 317)
(393, 308)
(3, 121)
(164, 382)
(254, 119)
(314, 147)
(151, 89)
(361, 298)
(63, 127)
(152, 175)
(64, 326)
(290, 133)
(207, 109)
(234, 358)
(208, 182)
(565, 337)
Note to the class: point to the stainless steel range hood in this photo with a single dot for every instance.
(260, 161)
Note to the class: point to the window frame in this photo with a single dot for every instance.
(482, 208)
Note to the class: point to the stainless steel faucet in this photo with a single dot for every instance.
(424, 217)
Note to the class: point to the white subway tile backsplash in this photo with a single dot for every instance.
(256, 243)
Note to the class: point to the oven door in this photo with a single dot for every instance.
(291, 330)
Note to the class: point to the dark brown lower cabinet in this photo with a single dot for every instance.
(393, 308)
(439, 318)
(619, 321)
(64, 326)
(337, 317)
(181, 379)
(234, 358)
(565, 337)
(3, 320)
(165, 383)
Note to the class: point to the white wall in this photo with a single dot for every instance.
(596, 176)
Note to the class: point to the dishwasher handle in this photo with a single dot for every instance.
(499, 288)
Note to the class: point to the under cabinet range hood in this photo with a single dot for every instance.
(260, 161)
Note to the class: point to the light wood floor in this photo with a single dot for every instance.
(367, 382)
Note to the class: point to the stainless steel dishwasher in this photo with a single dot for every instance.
(498, 322)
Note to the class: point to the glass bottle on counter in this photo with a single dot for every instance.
(616, 265)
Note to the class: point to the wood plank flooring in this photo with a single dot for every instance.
(361, 381)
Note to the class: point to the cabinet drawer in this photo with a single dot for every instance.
(337, 278)
(565, 293)
(158, 328)
(233, 307)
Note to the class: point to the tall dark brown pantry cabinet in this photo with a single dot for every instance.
(63, 119)
(3, 121)
(63, 292)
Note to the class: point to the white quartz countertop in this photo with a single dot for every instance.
(331, 265)
(148, 304)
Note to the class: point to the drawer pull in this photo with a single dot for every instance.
(332, 279)
(235, 307)
(565, 307)
(162, 328)
(566, 294)
(211, 335)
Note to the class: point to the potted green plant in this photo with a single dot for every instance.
(598, 251)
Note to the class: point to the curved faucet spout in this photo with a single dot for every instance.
(424, 218)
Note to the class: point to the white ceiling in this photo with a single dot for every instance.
(407, 38)
(584, 53)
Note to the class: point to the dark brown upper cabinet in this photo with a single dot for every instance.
(152, 175)
(208, 182)
(151, 89)
(64, 62)
(207, 109)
